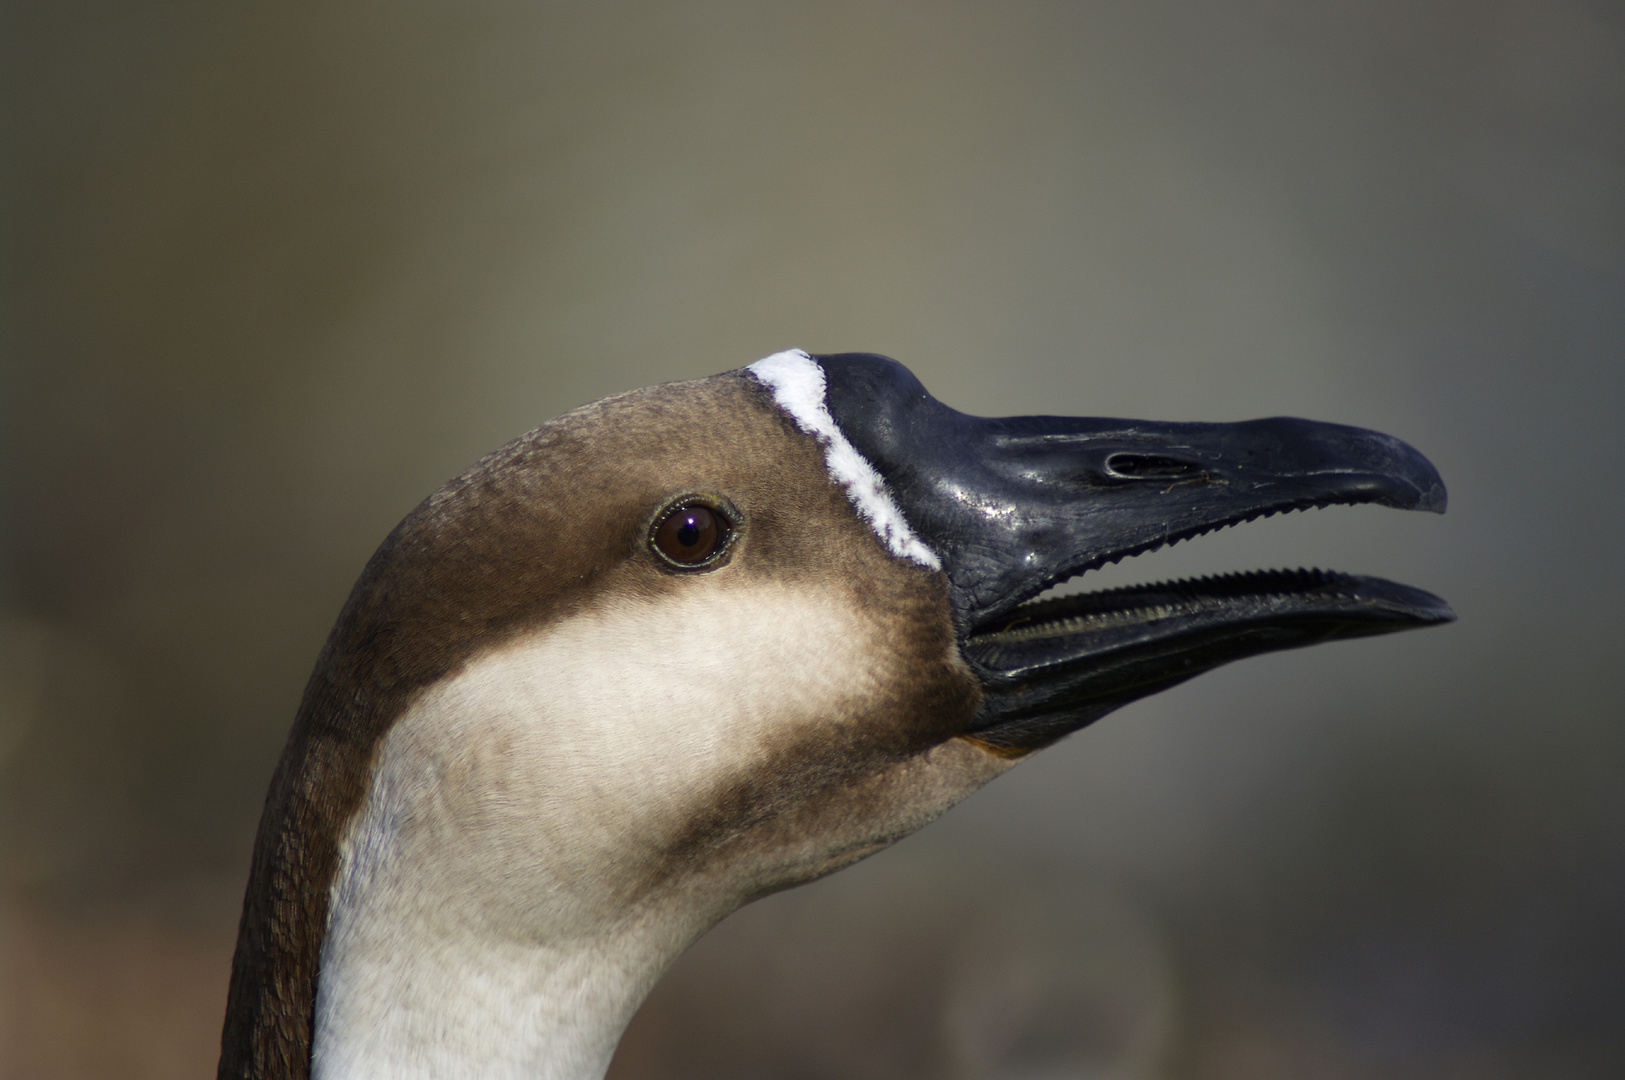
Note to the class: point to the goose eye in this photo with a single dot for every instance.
(691, 535)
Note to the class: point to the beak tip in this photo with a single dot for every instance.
(1435, 499)
(1421, 607)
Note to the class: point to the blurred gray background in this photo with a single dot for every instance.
(274, 271)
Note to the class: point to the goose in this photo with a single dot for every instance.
(689, 645)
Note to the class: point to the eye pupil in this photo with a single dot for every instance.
(691, 534)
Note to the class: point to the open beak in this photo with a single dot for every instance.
(1013, 506)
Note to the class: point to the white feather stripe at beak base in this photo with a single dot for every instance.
(797, 382)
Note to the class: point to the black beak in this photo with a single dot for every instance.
(1013, 506)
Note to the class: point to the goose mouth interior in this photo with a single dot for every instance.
(1056, 663)
(1041, 624)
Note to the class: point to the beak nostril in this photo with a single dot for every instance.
(1152, 467)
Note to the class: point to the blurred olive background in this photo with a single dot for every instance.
(275, 271)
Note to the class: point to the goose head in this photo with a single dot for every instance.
(693, 644)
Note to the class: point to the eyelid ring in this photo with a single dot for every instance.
(729, 519)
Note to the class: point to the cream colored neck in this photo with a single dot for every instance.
(415, 1007)
(546, 830)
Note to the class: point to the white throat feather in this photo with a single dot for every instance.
(507, 894)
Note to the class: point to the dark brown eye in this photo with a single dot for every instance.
(691, 534)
